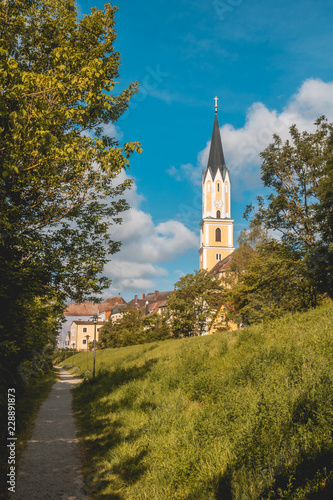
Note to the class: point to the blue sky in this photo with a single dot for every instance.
(270, 65)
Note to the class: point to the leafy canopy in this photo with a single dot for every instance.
(60, 192)
(194, 303)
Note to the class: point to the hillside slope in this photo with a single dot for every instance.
(241, 415)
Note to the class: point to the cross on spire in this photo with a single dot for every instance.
(215, 99)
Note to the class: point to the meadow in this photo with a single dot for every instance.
(236, 415)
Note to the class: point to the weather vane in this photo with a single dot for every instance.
(215, 99)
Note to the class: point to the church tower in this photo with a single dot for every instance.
(216, 235)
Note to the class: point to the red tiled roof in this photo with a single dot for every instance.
(163, 295)
(156, 305)
(90, 308)
(222, 265)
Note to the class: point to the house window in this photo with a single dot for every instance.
(218, 234)
(97, 329)
(85, 329)
(218, 214)
(84, 341)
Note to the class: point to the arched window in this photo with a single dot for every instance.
(226, 188)
(218, 234)
(218, 187)
(218, 214)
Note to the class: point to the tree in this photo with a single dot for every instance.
(194, 304)
(295, 173)
(299, 174)
(127, 331)
(59, 193)
(156, 327)
(274, 283)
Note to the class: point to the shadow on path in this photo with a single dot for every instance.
(50, 465)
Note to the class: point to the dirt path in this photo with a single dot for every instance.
(50, 465)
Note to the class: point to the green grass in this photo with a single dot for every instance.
(26, 409)
(241, 415)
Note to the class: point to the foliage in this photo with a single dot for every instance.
(156, 327)
(242, 257)
(59, 194)
(299, 174)
(254, 235)
(194, 303)
(134, 328)
(275, 282)
(127, 331)
(294, 172)
(247, 414)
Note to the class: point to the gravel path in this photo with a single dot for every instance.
(50, 465)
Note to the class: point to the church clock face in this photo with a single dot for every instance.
(219, 204)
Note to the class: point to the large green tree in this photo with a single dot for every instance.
(59, 194)
(127, 331)
(275, 282)
(299, 175)
(194, 303)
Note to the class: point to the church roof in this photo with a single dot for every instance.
(216, 157)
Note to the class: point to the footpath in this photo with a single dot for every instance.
(50, 465)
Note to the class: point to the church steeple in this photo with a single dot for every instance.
(216, 225)
(216, 157)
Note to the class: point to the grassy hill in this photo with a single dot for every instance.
(241, 415)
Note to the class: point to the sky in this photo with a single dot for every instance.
(269, 64)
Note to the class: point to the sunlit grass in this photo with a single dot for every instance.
(243, 415)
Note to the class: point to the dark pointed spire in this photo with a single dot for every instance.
(216, 158)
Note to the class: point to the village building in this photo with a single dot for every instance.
(81, 333)
(117, 313)
(85, 311)
(151, 302)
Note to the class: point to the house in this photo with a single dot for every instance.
(84, 312)
(220, 322)
(151, 302)
(81, 333)
(117, 312)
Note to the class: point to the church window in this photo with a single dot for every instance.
(218, 234)
(218, 214)
(218, 187)
(218, 256)
(208, 187)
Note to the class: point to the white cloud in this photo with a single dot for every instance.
(144, 246)
(242, 146)
(186, 171)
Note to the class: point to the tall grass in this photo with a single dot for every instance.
(241, 415)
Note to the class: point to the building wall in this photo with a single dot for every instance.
(79, 332)
(216, 213)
